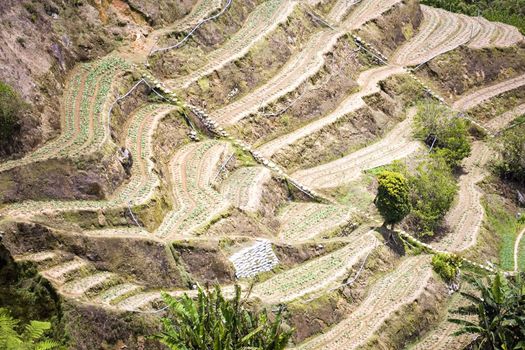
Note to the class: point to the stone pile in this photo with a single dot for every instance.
(255, 259)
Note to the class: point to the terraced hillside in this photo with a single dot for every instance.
(249, 134)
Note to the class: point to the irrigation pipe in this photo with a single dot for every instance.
(180, 43)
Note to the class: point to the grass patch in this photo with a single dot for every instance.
(521, 255)
(504, 224)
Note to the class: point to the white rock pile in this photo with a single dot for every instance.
(255, 259)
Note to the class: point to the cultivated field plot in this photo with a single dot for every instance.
(198, 206)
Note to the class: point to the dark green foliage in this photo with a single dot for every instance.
(511, 164)
(446, 265)
(392, 201)
(499, 304)
(31, 337)
(11, 108)
(506, 11)
(213, 322)
(432, 191)
(444, 131)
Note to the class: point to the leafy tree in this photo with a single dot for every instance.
(11, 107)
(499, 304)
(392, 200)
(512, 150)
(432, 192)
(445, 132)
(32, 337)
(216, 323)
(446, 265)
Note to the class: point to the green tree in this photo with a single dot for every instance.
(499, 304)
(445, 132)
(512, 150)
(216, 323)
(11, 108)
(31, 338)
(432, 192)
(393, 197)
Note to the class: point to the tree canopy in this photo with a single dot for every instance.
(432, 192)
(393, 200)
(445, 132)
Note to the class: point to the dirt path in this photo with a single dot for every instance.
(262, 21)
(386, 298)
(397, 144)
(517, 250)
(138, 50)
(471, 100)
(368, 81)
(466, 217)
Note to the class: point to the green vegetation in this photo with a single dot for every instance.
(393, 200)
(446, 265)
(213, 322)
(31, 337)
(444, 132)
(432, 192)
(511, 164)
(499, 304)
(503, 223)
(11, 108)
(507, 11)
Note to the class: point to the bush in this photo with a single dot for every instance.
(392, 198)
(432, 192)
(11, 109)
(446, 266)
(31, 338)
(445, 132)
(512, 150)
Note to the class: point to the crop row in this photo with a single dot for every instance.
(143, 181)
(317, 274)
(244, 187)
(195, 201)
(303, 221)
(258, 24)
(82, 112)
(385, 298)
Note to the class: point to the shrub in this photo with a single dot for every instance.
(11, 109)
(446, 266)
(445, 132)
(512, 150)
